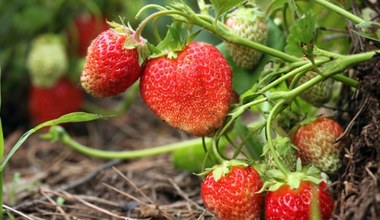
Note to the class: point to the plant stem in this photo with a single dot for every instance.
(1, 171)
(340, 11)
(276, 108)
(223, 32)
(103, 154)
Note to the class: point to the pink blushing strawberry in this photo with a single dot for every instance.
(316, 144)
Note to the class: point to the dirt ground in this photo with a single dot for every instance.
(41, 174)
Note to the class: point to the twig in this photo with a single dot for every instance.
(166, 214)
(352, 122)
(72, 185)
(48, 197)
(18, 212)
(183, 195)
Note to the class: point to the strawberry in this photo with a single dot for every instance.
(230, 191)
(315, 142)
(83, 30)
(112, 62)
(50, 103)
(319, 94)
(47, 60)
(285, 151)
(301, 203)
(191, 92)
(250, 24)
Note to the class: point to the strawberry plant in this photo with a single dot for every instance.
(275, 56)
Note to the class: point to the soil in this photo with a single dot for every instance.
(42, 174)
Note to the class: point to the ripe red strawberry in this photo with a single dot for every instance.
(84, 29)
(316, 145)
(191, 92)
(50, 103)
(112, 62)
(233, 194)
(319, 94)
(297, 204)
(250, 24)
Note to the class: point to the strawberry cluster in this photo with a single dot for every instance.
(237, 190)
(54, 90)
(189, 86)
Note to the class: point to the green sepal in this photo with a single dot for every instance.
(132, 41)
(221, 170)
(176, 39)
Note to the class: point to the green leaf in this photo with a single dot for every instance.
(71, 117)
(223, 6)
(250, 136)
(302, 34)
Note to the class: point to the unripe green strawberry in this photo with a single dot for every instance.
(112, 62)
(231, 192)
(319, 94)
(316, 145)
(191, 92)
(250, 24)
(47, 60)
(285, 151)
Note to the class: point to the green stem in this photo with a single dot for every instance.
(63, 137)
(272, 114)
(223, 32)
(340, 11)
(1, 171)
(218, 29)
(215, 150)
(292, 73)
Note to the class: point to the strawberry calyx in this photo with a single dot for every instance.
(175, 41)
(275, 178)
(244, 13)
(133, 40)
(223, 169)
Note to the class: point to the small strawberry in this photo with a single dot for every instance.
(112, 62)
(191, 92)
(50, 103)
(230, 191)
(285, 151)
(47, 60)
(315, 142)
(319, 94)
(302, 203)
(83, 30)
(250, 24)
